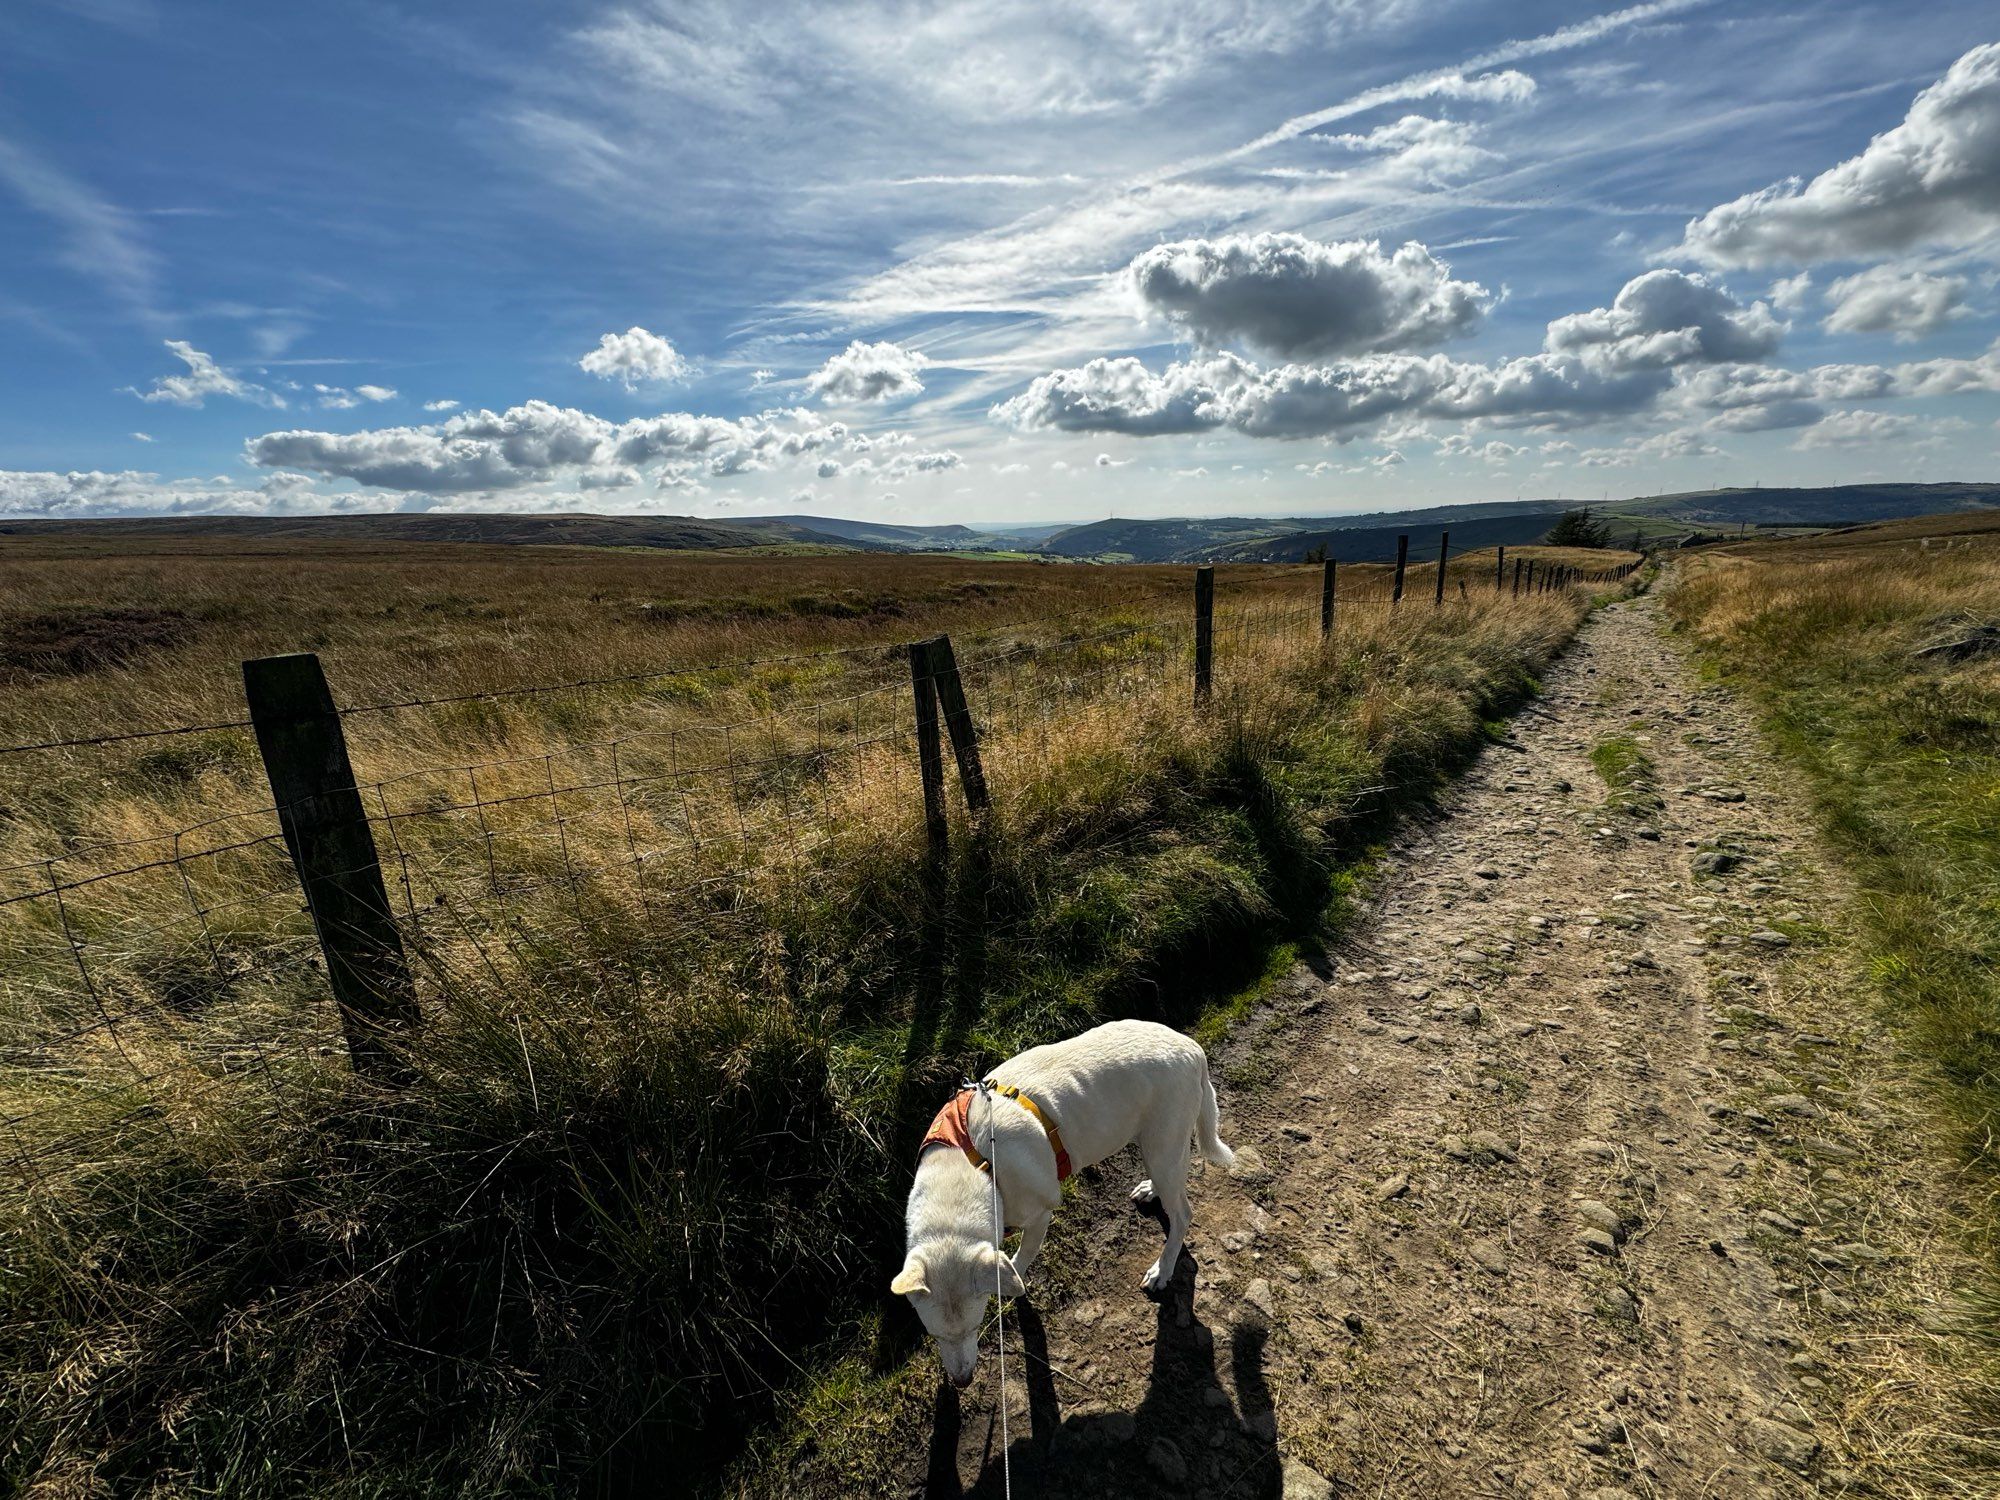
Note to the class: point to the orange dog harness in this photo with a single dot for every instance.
(952, 1128)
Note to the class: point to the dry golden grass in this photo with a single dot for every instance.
(1899, 746)
(656, 926)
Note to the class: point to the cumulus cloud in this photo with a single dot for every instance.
(1339, 400)
(1296, 297)
(1932, 180)
(868, 372)
(1666, 318)
(203, 378)
(539, 442)
(375, 392)
(635, 357)
(1789, 293)
(132, 492)
(1757, 398)
(1846, 429)
(442, 404)
(1883, 299)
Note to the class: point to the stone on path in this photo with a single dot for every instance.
(1780, 1443)
(1302, 1483)
(1166, 1461)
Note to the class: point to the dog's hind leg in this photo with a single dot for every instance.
(1166, 1154)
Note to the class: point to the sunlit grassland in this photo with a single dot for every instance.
(1901, 750)
(690, 980)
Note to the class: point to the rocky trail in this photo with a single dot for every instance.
(1574, 1171)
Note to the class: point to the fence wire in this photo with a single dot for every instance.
(142, 971)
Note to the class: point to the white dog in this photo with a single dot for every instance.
(1037, 1118)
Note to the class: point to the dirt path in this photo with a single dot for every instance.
(1555, 1181)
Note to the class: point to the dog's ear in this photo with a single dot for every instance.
(910, 1280)
(1010, 1281)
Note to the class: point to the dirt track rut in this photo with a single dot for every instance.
(1549, 1183)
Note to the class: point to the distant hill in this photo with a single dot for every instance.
(1357, 538)
(1372, 537)
(1825, 505)
(676, 533)
(948, 538)
(1378, 543)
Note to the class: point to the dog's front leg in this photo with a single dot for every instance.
(1032, 1234)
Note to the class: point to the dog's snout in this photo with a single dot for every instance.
(960, 1380)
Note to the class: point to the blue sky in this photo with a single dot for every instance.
(1028, 262)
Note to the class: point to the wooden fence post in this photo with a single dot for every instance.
(1531, 575)
(930, 751)
(1517, 578)
(1204, 632)
(958, 723)
(1499, 569)
(1326, 599)
(326, 831)
(1444, 552)
(1402, 561)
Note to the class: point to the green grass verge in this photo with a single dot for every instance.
(1901, 755)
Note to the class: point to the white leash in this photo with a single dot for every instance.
(999, 1296)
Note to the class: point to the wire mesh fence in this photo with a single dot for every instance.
(140, 971)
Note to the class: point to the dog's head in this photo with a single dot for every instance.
(948, 1283)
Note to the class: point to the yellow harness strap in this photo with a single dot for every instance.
(1063, 1169)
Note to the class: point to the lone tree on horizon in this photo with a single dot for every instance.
(1578, 528)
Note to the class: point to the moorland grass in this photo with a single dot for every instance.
(640, 1166)
(1901, 753)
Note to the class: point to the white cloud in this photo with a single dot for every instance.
(132, 492)
(340, 398)
(1790, 293)
(442, 404)
(1932, 180)
(1421, 150)
(868, 372)
(1884, 299)
(531, 444)
(1297, 297)
(1845, 429)
(635, 357)
(142, 437)
(204, 378)
(1106, 461)
(1340, 400)
(99, 238)
(1665, 318)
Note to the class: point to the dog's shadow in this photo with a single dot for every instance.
(1189, 1435)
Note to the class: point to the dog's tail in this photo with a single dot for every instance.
(1207, 1123)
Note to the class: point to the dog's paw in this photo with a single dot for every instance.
(1155, 1279)
(1143, 1192)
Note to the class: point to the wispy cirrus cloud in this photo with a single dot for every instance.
(98, 239)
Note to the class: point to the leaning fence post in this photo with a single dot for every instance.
(1531, 575)
(1402, 561)
(1517, 578)
(1204, 631)
(326, 831)
(1499, 569)
(1444, 552)
(930, 752)
(1326, 599)
(958, 723)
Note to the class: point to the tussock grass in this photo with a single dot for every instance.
(1900, 752)
(656, 1133)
